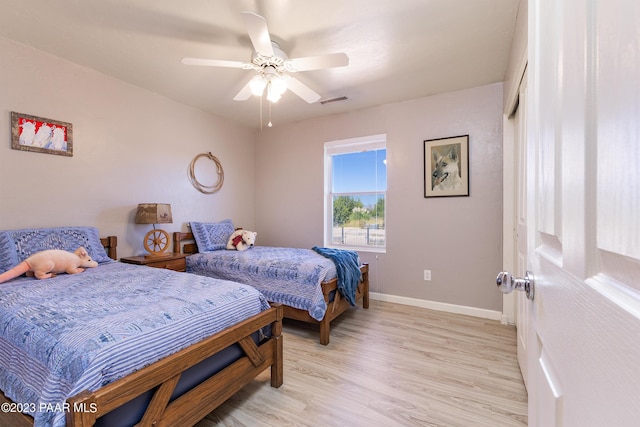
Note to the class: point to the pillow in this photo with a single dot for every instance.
(212, 236)
(18, 245)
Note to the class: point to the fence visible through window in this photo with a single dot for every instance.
(359, 220)
(356, 236)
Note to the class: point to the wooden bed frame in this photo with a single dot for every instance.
(86, 407)
(334, 308)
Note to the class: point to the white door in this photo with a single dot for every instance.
(583, 212)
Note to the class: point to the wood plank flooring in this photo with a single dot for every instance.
(391, 365)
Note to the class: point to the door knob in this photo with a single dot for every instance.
(507, 283)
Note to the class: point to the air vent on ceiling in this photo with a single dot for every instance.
(326, 101)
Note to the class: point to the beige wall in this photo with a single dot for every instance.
(133, 146)
(458, 238)
(130, 146)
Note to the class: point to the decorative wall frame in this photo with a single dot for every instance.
(446, 166)
(31, 133)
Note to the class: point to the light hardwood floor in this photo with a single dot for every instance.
(391, 365)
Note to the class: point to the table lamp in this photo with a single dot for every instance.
(155, 241)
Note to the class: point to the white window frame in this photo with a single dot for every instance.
(345, 146)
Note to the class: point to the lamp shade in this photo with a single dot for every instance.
(154, 213)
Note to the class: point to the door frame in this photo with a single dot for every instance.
(509, 162)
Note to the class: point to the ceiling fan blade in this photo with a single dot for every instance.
(244, 93)
(318, 62)
(258, 33)
(302, 90)
(215, 63)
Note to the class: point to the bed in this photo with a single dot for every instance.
(304, 282)
(121, 344)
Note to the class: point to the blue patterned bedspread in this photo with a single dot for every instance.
(63, 335)
(289, 276)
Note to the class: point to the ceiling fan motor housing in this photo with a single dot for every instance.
(277, 61)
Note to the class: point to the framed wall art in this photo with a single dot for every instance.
(446, 166)
(31, 133)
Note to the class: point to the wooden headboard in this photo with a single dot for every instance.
(185, 248)
(110, 244)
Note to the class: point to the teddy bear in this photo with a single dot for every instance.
(241, 239)
(48, 263)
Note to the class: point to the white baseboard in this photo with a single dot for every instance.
(439, 306)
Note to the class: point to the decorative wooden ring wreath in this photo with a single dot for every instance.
(206, 189)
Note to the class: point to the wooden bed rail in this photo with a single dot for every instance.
(195, 404)
(189, 408)
(110, 244)
(335, 307)
(185, 243)
(186, 248)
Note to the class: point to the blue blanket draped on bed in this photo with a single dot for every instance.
(347, 269)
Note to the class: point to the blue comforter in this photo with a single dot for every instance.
(290, 276)
(63, 335)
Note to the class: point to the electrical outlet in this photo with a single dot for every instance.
(427, 275)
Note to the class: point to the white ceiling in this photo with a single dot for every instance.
(397, 49)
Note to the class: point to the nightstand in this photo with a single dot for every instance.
(171, 261)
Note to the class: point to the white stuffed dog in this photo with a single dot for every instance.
(241, 240)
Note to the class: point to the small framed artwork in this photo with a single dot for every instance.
(446, 166)
(31, 133)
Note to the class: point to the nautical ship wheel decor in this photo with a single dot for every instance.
(156, 241)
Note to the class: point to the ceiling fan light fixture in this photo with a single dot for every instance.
(272, 94)
(257, 84)
(278, 84)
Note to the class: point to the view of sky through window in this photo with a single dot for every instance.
(360, 172)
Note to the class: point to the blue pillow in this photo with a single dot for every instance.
(18, 245)
(212, 236)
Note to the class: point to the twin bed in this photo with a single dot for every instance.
(311, 287)
(121, 344)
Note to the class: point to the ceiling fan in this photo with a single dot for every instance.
(273, 65)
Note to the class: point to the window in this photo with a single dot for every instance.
(355, 193)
